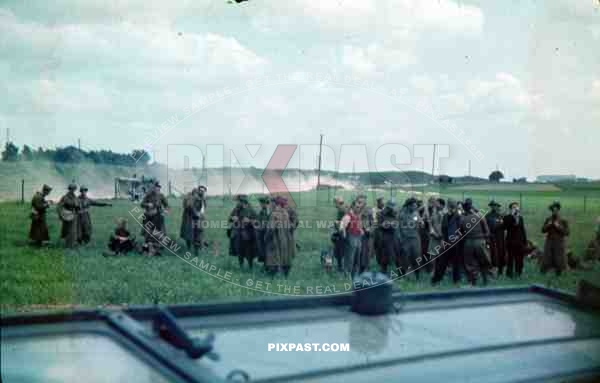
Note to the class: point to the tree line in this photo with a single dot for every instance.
(71, 154)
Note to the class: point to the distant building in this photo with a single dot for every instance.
(556, 178)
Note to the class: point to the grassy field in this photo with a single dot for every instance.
(52, 278)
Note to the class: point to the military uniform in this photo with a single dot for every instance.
(154, 228)
(410, 223)
(476, 258)
(366, 222)
(556, 230)
(233, 231)
(293, 216)
(435, 236)
(247, 235)
(121, 241)
(279, 241)
(84, 233)
(38, 232)
(593, 250)
(192, 219)
(376, 232)
(263, 220)
(495, 222)
(336, 237)
(388, 249)
(450, 253)
(68, 211)
(424, 228)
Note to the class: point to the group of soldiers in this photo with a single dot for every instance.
(416, 238)
(267, 235)
(73, 211)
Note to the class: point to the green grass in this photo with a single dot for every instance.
(33, 279)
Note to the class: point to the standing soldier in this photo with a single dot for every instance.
(451, 238)
(425, 212)
(410, 223)
(495, 222)
(154, 204)
(247, 235)
(593, 250)
(388, 249)
(293, 216)
(375, 217)
(366, 222)
(516, 240)
(336, 237)
(68, 212)
(556, 229)
(84, 233)
(233, 231)
(38, 232)
(436, 216)
(278, 238)
(264, 217)
(476, 233)
(191, 220)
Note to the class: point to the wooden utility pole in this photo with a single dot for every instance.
(319, 171)
(433, 163)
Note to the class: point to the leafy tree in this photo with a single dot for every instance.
(142, 157)
(69, 154)
(10, 153)
(496, 176)
(27, 153)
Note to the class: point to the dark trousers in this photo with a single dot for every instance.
(498, 254)
(247, 252)
(450, 256)
(338, 252)
(514, 260)
(388, 251)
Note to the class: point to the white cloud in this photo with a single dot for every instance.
(443, 14)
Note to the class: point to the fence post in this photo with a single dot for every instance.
(584, 203)
(23, 191)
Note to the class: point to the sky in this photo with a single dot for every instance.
(513, 85)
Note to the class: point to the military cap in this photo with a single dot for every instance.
(264, 199)
(202, 187)
(410, 201)
(452, 204)
(390, 204)
(157, 184)
(46, 188)
(72, 186)
(380, 198)
(555, 204)
(468, 204)
(83, 188)
(493, 203)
